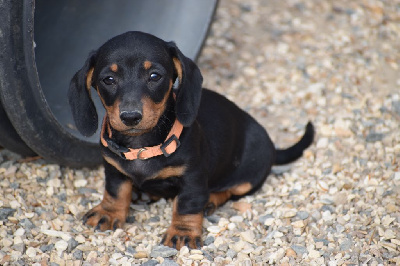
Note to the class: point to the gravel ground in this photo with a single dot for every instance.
(285, 62)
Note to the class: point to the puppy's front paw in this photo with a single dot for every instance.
(179, 237)
(103, 219)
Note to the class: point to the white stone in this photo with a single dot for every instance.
(313, 254)
(248, 236)
(231, 226)
(7, 242)
(196, 257)
(322, 143)
(61, 245)
(214, 229)
(269, 221)
(80, 183)
(80, 239)
(236, 219)
(54, 183)
(15, 204)
(55, 233)
(31, 252)
(389, 234)
(19, 232)
(184, 251)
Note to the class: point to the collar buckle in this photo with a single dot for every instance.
(167, 143)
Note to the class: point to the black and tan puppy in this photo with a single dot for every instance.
(186, 143)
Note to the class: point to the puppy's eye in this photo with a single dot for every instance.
(109, 80)
(154, 77)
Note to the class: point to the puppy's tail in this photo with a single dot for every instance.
(296, 151)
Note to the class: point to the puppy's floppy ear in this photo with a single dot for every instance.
(79, 97)
(188, 94)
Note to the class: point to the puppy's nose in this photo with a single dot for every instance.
(131, 118)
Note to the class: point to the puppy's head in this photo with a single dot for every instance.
(133, 74)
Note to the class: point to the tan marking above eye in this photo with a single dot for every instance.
(114, 67)
(147, 65)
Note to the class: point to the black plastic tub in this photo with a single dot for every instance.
(44, 42)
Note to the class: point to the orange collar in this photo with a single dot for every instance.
(169, 146)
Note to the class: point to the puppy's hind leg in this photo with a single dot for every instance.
(220, 198)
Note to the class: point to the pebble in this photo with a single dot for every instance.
(80, 183)
(18, 240)
(231, 226)
(5, 213)
(196, 257)
(213, 219)
(77, 254)
(31, 252)
(231, 253)
(72, 244)
(168, 262)
(54, 233)
(346, 245)
(209, 240)
(19, 232)
(141, 255)
(54, 183)
(219, 241)
(263, 218)
(163, 251)
(289, 214)
(15, 204)
(214, 229)
(298, 224)
(92, 256)
(313, 254)
(236, 219)
(47, 248)
(322, 143)
(389, 234)
(80, 239)
(61, 245)
(340, 228)
(302, 215)
(269, 221)
(19, 247)
(248, 236)
(374, 137)
(300, 250)
(150, 263)
(6, 242)
(73, 209)
(27, 224)
(184, 251)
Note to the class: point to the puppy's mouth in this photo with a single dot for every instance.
(135, 131)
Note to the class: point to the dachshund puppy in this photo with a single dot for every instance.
(181, 142)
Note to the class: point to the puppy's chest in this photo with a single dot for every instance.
(147, 171)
